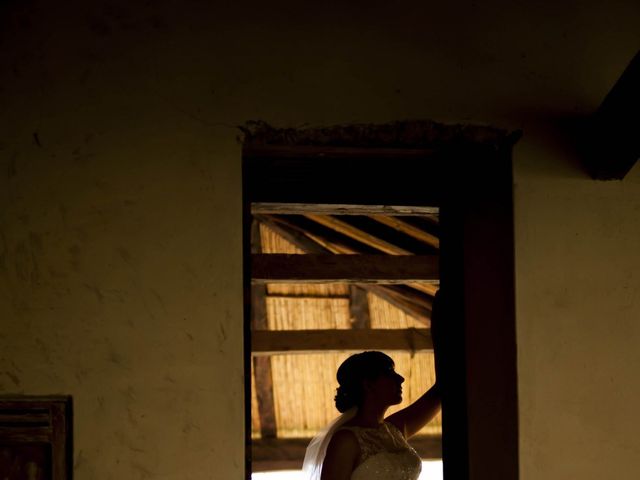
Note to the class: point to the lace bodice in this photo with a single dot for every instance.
(384, 454)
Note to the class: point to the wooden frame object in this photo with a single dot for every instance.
(466, 174)
(611, 140)
(36, 437)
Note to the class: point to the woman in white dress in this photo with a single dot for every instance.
(363, 444)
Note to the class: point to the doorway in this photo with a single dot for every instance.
(462, 177)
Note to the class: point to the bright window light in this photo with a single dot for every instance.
(278, 474)
(431, 470)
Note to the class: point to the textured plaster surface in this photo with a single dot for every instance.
(120, 206)
(577, 283)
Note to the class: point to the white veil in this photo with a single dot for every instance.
(313, 458)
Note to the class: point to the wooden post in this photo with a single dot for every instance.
(359, 308)
(480, 404)
(262, 365)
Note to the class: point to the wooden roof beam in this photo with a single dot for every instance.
(272, 342)
(384, 269)
(325, 239)
(266, 208)
(429, 288)
(357, 234)
(408, 229)
(612, 141)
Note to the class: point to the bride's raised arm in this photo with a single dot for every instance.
(411, 419)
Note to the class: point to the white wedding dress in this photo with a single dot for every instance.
(384, 454)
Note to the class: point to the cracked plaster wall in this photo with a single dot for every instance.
(120, 235)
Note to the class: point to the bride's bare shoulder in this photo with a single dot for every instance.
(344, 438)
(342, 455)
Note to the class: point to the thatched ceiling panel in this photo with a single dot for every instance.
(304, 387)
(274, 243)
(307, 313)
(313, 289)
(385, 315)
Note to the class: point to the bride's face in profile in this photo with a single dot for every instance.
(386, 388)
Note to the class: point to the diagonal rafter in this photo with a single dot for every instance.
(308, 239)
(358, 234)
(429, 288)
(408, 229)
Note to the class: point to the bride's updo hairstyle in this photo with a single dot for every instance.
(352, 374)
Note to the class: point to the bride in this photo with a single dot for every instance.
(363, 444)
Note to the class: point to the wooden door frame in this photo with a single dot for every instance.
(470, 180)
(480, 400)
